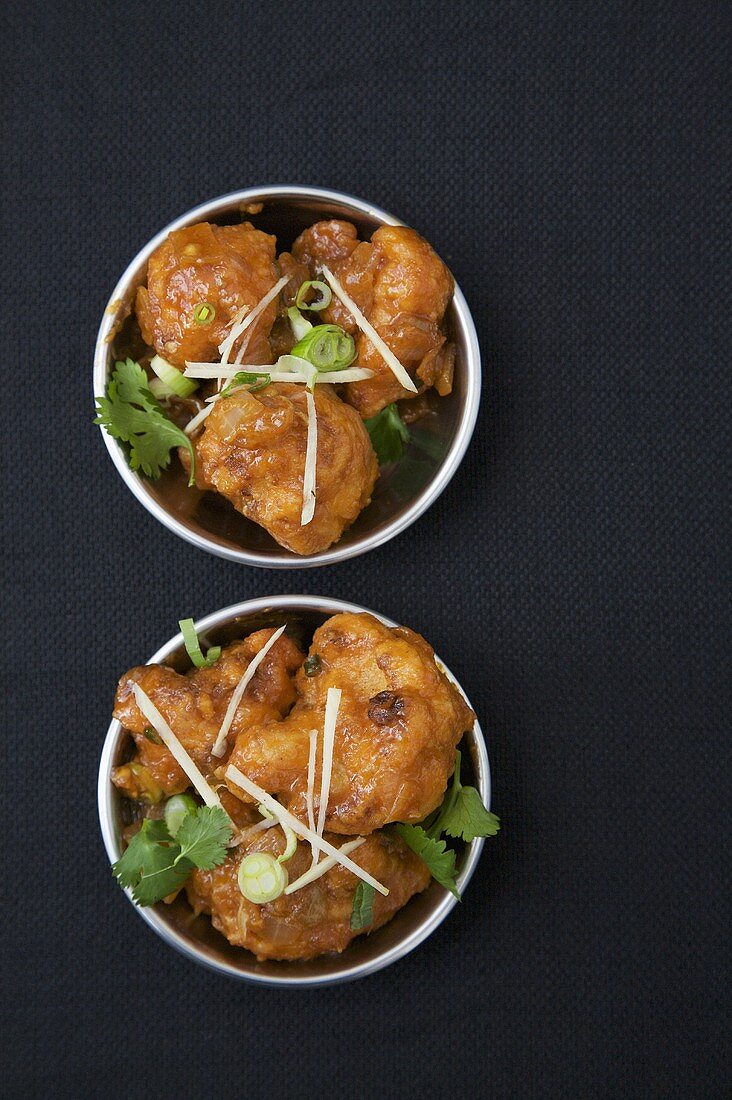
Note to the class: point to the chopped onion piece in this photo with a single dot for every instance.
(316, 870)
(311, 458)
(332, 703)
(171, 742)
(260, 795)
(219, 745)
(371, 334)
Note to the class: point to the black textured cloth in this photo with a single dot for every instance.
(570, 162)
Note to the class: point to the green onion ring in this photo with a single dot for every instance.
(327, 347)
(261, 878)
(204, 313)
(325, 295)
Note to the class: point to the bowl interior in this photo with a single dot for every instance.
(209, 516)
(196, 937)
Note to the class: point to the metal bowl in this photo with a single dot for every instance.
(196, 938)
(402, 492)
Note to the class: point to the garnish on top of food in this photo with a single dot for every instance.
(325, 780)
(269, 365)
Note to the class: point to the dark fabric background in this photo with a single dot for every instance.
(569, 162)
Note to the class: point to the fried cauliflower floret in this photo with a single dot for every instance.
(194, 706)
(252, 451)
(230, 267)
(403, 288)
(316, 918)
(399, 722)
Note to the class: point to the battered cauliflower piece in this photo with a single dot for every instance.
(194, 706)
(403, 288)
(252, 451)
(229, 266)
(399, 722)
(316, 918)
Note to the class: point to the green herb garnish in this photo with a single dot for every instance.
(130, 413)
(462, 814)
(204, 313)
(389, 434)
(312, 665)
(362, 914)
(322, 299)
(155, 865)
(327, 347)
(193, 646)
(255, 380)
(152, 735)
(439, 858)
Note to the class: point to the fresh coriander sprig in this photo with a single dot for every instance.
(389, 434)
(463, 816)
(155, 865)
(130, 413)
(439, 858)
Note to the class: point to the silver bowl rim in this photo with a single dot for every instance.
(272, 559)
(106, 793)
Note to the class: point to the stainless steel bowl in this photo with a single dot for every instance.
(197, 939)
(400, 496)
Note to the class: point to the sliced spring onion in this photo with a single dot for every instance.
(332, 705)
(327, 347)
(370, 332)
(322, 299)
(193, 646)
(254, 791)
(316, 870)
(176, 808)
(300, 325)
(311, 458)
(290, 844)
(219, 745)
(261, 877)
(253, 380)
(174, 380)
(204, 313)
(156, 720)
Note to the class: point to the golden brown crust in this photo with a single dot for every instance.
(315, 919)
(252, 451)
(403, 288)
(194, 706)
(230, 267)
(399, 722)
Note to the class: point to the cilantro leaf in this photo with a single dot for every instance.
(462, 814)
(468, 818)
(439, 858)
(149, 866)
(130, 413)
(155, 865)
(203, 837)
(389, 434)
(362, 914)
